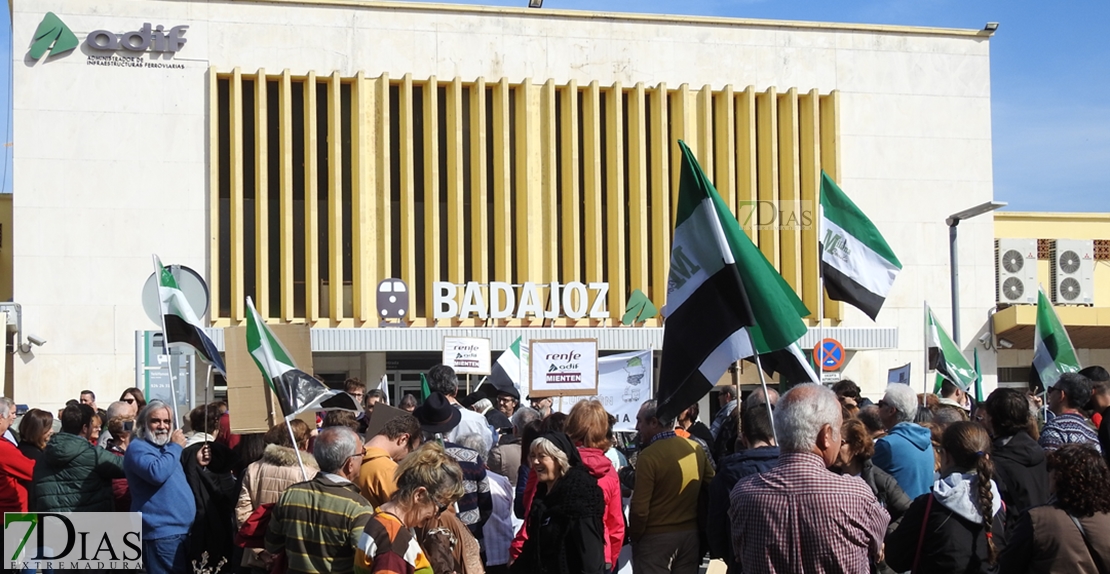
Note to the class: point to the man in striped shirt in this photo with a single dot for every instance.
(1070, 393)
(799, 516)
(318, 523)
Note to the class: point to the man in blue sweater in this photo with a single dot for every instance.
(906, 451)
(159, 489)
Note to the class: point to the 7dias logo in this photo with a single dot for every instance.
(73, 540)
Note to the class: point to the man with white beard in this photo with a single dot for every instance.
(159, 489)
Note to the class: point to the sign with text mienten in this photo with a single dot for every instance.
(563, 367)
(467, 355)
(499, 300)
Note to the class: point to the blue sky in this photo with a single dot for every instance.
(1050, 80)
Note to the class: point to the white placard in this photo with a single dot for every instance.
(563, 367)
(467, 355)
(624, 382)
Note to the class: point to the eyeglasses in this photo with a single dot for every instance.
(440, 507)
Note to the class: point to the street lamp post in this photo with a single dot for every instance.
(953, 221)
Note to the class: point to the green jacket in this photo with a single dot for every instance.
(74, 476)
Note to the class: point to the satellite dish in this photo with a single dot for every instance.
(191, 284)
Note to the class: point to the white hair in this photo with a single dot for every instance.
(482, 405)
(903, 399)
(479, 443)
(801, 413)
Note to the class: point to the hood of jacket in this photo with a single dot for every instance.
(63, 448)
(960, 494)
(1020, 449)
(278, 455)
(596, 462)
(915, 434)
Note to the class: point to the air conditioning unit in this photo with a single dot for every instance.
(1016, 271)
(1073, 271)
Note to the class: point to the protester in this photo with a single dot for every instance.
(35, 431)
(9, 435)
(497, 533)
(587, 427)
(342, 419)
(870, 418)
(953, 396)
(317, 524)
(958, 525)
(377, 477)
(428, 483)
(496, 419)
(1070, 426)
(73, 475)
(208, 467)
(946, 415)
(121, 410)
(408, 403)
(759, 454)
(797, 516)
(133, 396)
(438, 416)
(442, 379)
(906, 451)
(267, 478)
(694, 429)
(759, 397)
(1072, 534)
(88, 397)
(856, 450)
(1099, 404)
(204, 425)
(159, 489)
(505, 457)
(1019, 462)
(15, 469)
(565, 530)
(507, 402)
(663, 513)
(726, 399)
(120, 429)
(541, 404)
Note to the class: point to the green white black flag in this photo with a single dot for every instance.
(857, 265)
(297, 391)
(945, 357)
(1053, 353)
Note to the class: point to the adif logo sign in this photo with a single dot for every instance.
(55, 36)
(73, 540)
(141, 40)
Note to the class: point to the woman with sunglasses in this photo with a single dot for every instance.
(428, 483)
(133, 396)
(565, 528)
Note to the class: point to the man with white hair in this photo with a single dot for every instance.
(906, 451)
(799, 516)
(159, 489)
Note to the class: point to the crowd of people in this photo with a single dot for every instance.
(817, 480)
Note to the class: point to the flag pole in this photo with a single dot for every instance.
(207, 382)
(925, 346)
(820, 294)
(296, 449)
(766, 396)
(165, 343)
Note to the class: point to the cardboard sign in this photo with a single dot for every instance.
(561, 367)
(467, 355)
(253, 406)
(624, 383)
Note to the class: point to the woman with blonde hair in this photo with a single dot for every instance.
(428, 483)
(564, 524)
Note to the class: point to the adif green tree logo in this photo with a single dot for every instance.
(52, 34)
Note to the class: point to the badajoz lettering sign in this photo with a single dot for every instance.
(499, 300)
(563, 367)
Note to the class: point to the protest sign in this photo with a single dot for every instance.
(467, 355)
(563, 367)
(624, 383)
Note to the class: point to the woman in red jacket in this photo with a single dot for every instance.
(14, 467)
(588, 426)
